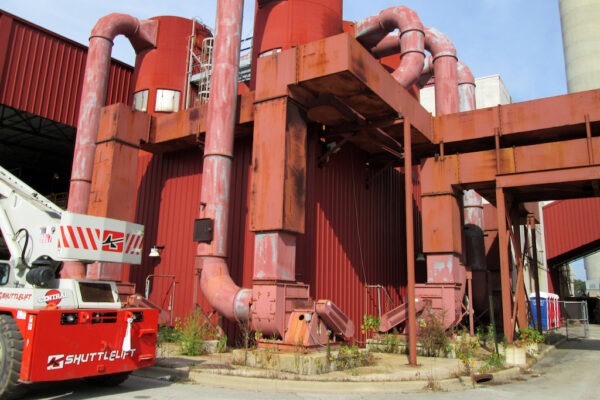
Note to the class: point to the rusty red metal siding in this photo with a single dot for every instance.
(571, 224)
(42, 72)
(354, 235)
(168, 200)
(329, 253)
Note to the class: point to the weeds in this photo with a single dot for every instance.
(493, 362)
(351, 357)
(531, 335)
(465, 351)
(432, 335)
(190, 335)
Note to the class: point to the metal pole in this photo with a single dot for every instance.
(493, 321)
(379, 300)
(536, 276)
(410, 246)
(504, 265)
(470, 283)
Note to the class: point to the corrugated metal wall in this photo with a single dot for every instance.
(570, 224)
(329, 254)
(42, 72)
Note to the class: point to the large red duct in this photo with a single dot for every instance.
(142, 35)
(216, 283)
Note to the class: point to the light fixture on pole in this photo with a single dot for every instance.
(155, 251)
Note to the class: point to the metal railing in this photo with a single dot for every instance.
(387, 294)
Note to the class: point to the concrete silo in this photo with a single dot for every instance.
(581, 43)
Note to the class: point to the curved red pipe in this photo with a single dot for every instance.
(445, 70)
(219, 289)
(427, 73)
(142, 35)
(372, 33)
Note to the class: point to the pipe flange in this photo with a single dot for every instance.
(444, 54)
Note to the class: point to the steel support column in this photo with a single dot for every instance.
(503, 240)
(410, 246)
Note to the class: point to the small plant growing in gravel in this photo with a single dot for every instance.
(465, 351)
(432, 334)
(493, 362)
(370, 325)
(391, 343)
(531, 335)
(190, 335)
(351, 357)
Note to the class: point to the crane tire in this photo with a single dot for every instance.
(11, 353)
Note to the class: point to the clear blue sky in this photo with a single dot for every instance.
(520, 40)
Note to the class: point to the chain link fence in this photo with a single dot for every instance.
(575, 319)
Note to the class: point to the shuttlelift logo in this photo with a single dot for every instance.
(113, 241)
(59, 361)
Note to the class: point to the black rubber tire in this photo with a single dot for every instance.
(108, 380)
(11, 354)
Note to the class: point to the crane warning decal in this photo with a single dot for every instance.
(82, 238)
(91, 238)
(113, 241)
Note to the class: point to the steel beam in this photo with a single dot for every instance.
(410, 246)
(504, 265)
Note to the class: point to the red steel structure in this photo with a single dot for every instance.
(42, 72)
(332, 91)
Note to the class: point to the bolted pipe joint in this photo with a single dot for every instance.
(410, 42)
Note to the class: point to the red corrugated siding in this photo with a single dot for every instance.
(570, 224)
(328, 254)
(42, 72)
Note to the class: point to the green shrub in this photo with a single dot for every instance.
(370, 324)
(351, 357)
(432, 334)
(531, 335)
(190, 335)
(465, 351)
(167, 334)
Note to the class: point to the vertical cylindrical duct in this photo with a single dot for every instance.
(445, 71)
(283, 24)
(160, 77)
(581, 43)
(466, 87)
(216, 283)
(142, 35)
